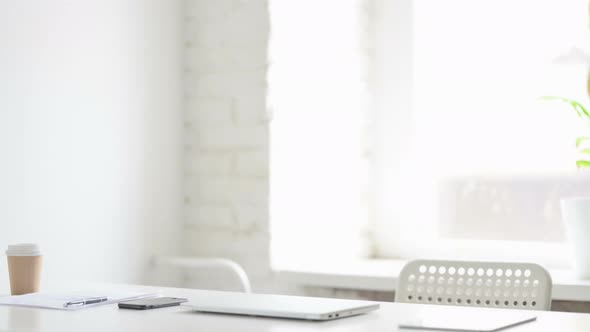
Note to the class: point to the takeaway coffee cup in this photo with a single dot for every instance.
(24, 267)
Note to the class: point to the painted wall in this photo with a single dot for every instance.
(90, 134)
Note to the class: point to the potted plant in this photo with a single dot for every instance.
(575, 211)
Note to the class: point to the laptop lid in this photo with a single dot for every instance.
(281, 306)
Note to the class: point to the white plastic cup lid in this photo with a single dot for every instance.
(23, 249)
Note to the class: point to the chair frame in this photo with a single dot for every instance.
(197, 263)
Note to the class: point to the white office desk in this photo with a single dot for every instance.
(110, 318)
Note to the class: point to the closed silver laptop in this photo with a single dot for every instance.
(280, 306)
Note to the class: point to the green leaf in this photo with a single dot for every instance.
(583, 164)
(578, 107)
(585, 151)
(553, 98)
(581, 140)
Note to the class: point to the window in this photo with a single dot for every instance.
(410, 128)
(317, 85)
(483, 162)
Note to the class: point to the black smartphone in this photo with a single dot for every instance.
(153, 303)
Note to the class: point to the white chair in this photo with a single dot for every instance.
(197, 263)
(475, 284)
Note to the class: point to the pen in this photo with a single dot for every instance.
(90, 300)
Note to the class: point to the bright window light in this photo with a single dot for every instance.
(465, 161)
(317, 83)
(488, 160)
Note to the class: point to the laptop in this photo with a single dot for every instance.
(283, 306)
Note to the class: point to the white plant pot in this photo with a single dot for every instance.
(576, 216)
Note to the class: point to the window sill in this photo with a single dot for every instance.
(382, 275)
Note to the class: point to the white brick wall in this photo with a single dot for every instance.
(227, 139)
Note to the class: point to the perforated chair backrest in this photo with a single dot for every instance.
(475, 284)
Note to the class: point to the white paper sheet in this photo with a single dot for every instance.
(55, 300)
